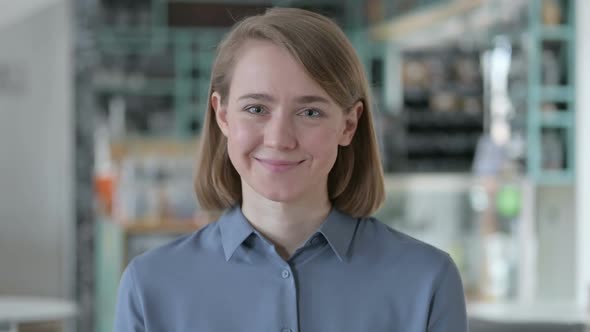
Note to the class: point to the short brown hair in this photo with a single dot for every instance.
(355, 183)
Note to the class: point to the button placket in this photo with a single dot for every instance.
(289, 323)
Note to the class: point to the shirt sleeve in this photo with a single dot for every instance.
(129, 308)
(447, 307)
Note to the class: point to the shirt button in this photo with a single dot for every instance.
(286, 275)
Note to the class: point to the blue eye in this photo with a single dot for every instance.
(312, 113)
(254, 110)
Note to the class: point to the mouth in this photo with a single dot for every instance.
(279, 165)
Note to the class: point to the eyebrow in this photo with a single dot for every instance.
(312, 99)
(301, 100)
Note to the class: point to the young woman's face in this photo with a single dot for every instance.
(282, 128)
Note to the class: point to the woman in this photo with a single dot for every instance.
(289, 153)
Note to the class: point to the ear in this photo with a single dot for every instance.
(351, 120)
(220, 112)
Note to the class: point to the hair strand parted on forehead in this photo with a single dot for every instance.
(355, 183)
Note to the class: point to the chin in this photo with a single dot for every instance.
(279, 196)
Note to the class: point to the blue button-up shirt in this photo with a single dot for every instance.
(352, 275)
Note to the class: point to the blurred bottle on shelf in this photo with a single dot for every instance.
(104, 173)
(551, 72)
(553, 150)
(443, 101)
(156, 188)
(552, 14)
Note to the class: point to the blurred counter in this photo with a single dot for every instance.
(528, 317)
(535, 312)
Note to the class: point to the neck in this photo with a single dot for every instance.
(286, 224)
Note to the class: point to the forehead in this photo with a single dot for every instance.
(263, 67)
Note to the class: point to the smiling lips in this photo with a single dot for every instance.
(278, 165)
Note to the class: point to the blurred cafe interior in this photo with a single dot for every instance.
(482, 116)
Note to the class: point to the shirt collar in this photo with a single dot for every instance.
(338, 229)
(234, 230)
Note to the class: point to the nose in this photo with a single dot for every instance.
(279, 132)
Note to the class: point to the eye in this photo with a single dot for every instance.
(254, 109)
(312, 113)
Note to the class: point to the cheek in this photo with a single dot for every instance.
(323, 143)
(238, 132)
(241, 136)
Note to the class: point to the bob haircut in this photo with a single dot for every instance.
(355, 183)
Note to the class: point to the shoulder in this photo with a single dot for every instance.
(394, 248)
(198, 247)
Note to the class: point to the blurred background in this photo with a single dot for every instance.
(482, 117)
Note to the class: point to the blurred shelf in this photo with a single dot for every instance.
(158, 61)
(556, 33)
(153, 146)
(155, 38)
(139, 86)
(556, 93)
(430, 182)
(557, 119)
(427, 14)
(165, 226)
(555, 177)
(420, 119)
(132, 40)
